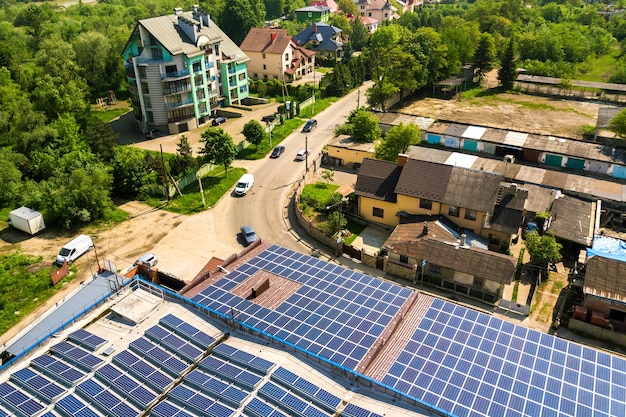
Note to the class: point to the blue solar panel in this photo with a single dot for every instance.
(306, 389)
(58, 370)
(216, 388)
(195, 336)
(142, 370)
(201, 403)
(126, 386)
(166, 409)
(173, 343)
(158, 356)
(76, 355)
(351, 410)
(109, 403)
(40, 386)
(230, 372)
(71, 405)
(86, 339)
(243, 358)
(14, 399)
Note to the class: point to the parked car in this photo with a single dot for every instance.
(148, 259)
(247, 232)
(219, 120)
(277, 151)
(244, 184)
(301, 155)
(153, 133)
(309, 125)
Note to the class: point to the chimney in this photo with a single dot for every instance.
(195, 8)
(273, 35)
(512, 189)
(178, 11)
(425, 229)
(402, 158)
(463, 239)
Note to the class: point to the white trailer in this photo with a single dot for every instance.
(27, 220)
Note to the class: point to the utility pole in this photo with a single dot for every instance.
(313, 109)
(306, 153)
(167, 187)
(358, 98)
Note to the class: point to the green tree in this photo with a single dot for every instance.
(461, 37)
(328, 175)
(130, 171)
(507, 74)
(100, 138)
(183, 161)
(10, 179)
(618, 124)
(397, 141)
(360, 35)
(348, 7)
(253, 132)
(237, 20)
(485, 56)
(92, 53)
(431, 54)
(274, 8)
(543, 249)
(365, 126)
(340, 21)
(218, 147)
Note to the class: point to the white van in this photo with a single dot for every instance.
(74, 249)
(244, 184)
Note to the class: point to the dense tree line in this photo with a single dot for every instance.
(57, 157)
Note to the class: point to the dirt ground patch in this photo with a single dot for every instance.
(519, 112)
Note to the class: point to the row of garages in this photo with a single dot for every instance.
(553, 152)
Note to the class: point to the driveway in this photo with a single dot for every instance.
(129, 133)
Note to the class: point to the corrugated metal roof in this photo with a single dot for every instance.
(515, 139)
(573, 219)
(474, 132)
(461, 160)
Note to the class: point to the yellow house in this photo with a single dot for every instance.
(343, 150)
(473, 200)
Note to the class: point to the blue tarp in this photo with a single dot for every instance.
(608, 247)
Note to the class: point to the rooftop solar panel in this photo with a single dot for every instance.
(105, 400)
(126, 386)
(57, 370)
(167, 409)
(351, 410)
(71, 405)
(143, 370)
(76, 355)
(153, 353)
(229, 372)
(507, 371)
(35, 383)
(216, 388)
(334, 299)
(18, 401)
(173, 343)
(189, 332)
(86, 339)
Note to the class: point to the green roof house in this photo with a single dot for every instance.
(312, 14)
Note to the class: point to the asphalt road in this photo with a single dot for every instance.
(264, 207)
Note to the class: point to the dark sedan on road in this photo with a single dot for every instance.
(309, 125)
(277, 151)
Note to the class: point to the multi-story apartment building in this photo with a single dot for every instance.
(180, 68)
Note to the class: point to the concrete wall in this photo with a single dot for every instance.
(596, 332)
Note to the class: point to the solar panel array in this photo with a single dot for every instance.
(337, 313)
(185, 396)
(197, 337)
(306, 389)
(242, 358)
(57, 369)
(72, 406)
(143, 370)
(351, 410)
(76, 355)
(472, 364)
(286, 400)
(18, 401)
(153, 353)
(107, 402)
(86, 339)
(230, 372)
(259, 408)
(126, 386)
(216, 388)
(173, 343)
(35, 383)
(167, 409)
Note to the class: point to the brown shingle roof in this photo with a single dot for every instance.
(476, 190)
(260, 40)
(423, 179)
(477, 262)
(573, 220)
(377, 179)
(606, 277)
(508, 213)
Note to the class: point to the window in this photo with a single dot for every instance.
(426, 204)
(378, 212)
(170, 69)
(470, 214)
(142, 72)
(404, 259)
(157, 53)
(286, 57)
(310, 14)
(264, 66)
(434, 269)
(263, 55)
(478, 282)
(453, 211)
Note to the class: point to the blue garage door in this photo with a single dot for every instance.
(554, 160)
(470, 145)
(434, 139)
(619, 171)
(577, 164)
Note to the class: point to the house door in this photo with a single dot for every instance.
(554, 160)
(576, 164)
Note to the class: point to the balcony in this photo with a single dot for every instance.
(175, 75)
(175, 104)
(168, 90)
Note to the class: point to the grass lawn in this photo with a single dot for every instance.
(320, 191)
(601, 68)
(279, 133)
(112, 114)
(356, 230)
(321, 104)
(215, 186)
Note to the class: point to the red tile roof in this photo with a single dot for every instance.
(269, 40)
